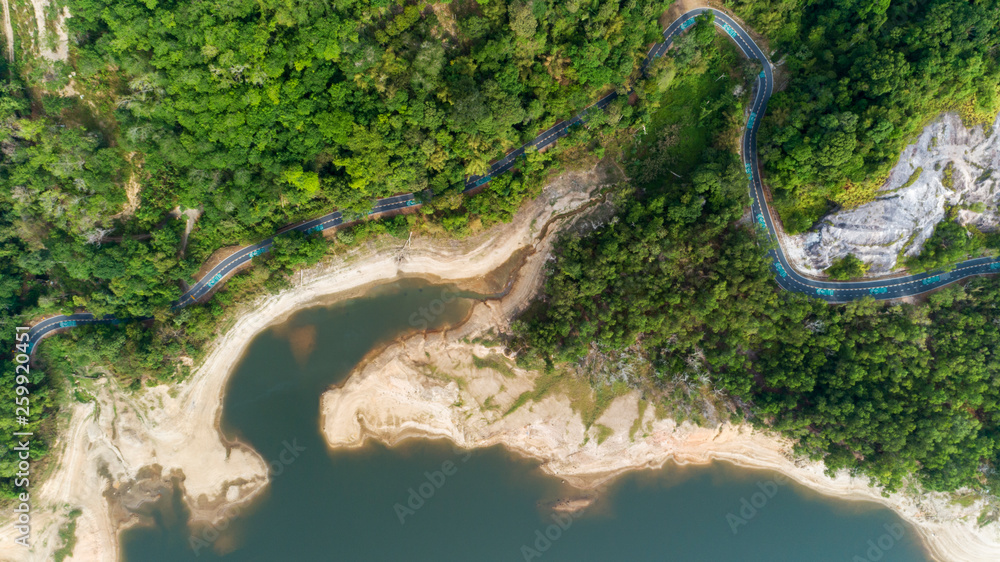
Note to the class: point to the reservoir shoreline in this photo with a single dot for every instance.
(178, 428)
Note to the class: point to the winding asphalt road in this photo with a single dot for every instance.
(785, 275)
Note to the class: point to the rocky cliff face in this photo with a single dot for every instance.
(948, 165)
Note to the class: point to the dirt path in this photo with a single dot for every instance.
(61, 50)
(192, 217)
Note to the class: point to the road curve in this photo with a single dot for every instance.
(786, 276)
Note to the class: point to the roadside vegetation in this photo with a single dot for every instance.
(949, 244)
(895, 392)
(847, 268)
(262, 113)
(259, 114)
(862, 79)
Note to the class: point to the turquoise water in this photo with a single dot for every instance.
(425, 501)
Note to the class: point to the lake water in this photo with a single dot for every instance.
(426, 501)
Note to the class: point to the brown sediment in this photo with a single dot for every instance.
(302, 340)
(107, 443)
(398, 394)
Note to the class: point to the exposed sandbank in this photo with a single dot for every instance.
(105, 444)
(428, 386)
(392, 396)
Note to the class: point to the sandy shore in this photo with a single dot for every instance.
(397, 396)
(428, 386)
(116, 452)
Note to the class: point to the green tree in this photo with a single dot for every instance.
(846, 268)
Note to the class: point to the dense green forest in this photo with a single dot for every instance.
(258, 114)
(261, 113)
(885, 390)
(862, 78)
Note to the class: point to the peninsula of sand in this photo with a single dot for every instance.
(125, 449)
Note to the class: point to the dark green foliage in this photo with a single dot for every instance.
(950, 244)
(846, 268)
(887, 390)
(879, 389)
(863, 76)
(262, 113)
(882, 390)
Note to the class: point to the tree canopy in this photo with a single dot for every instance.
(883, 390)
(862, 78)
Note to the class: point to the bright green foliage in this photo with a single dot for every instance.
(63, 176)
(390, 98)
(41, 400)
(260, 114)
(12, 246)
(61, 183)
(847, 267)
(295, 249)
(863, 76)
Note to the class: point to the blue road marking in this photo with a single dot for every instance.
(908, 284)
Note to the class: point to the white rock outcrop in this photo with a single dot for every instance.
(903, 218)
